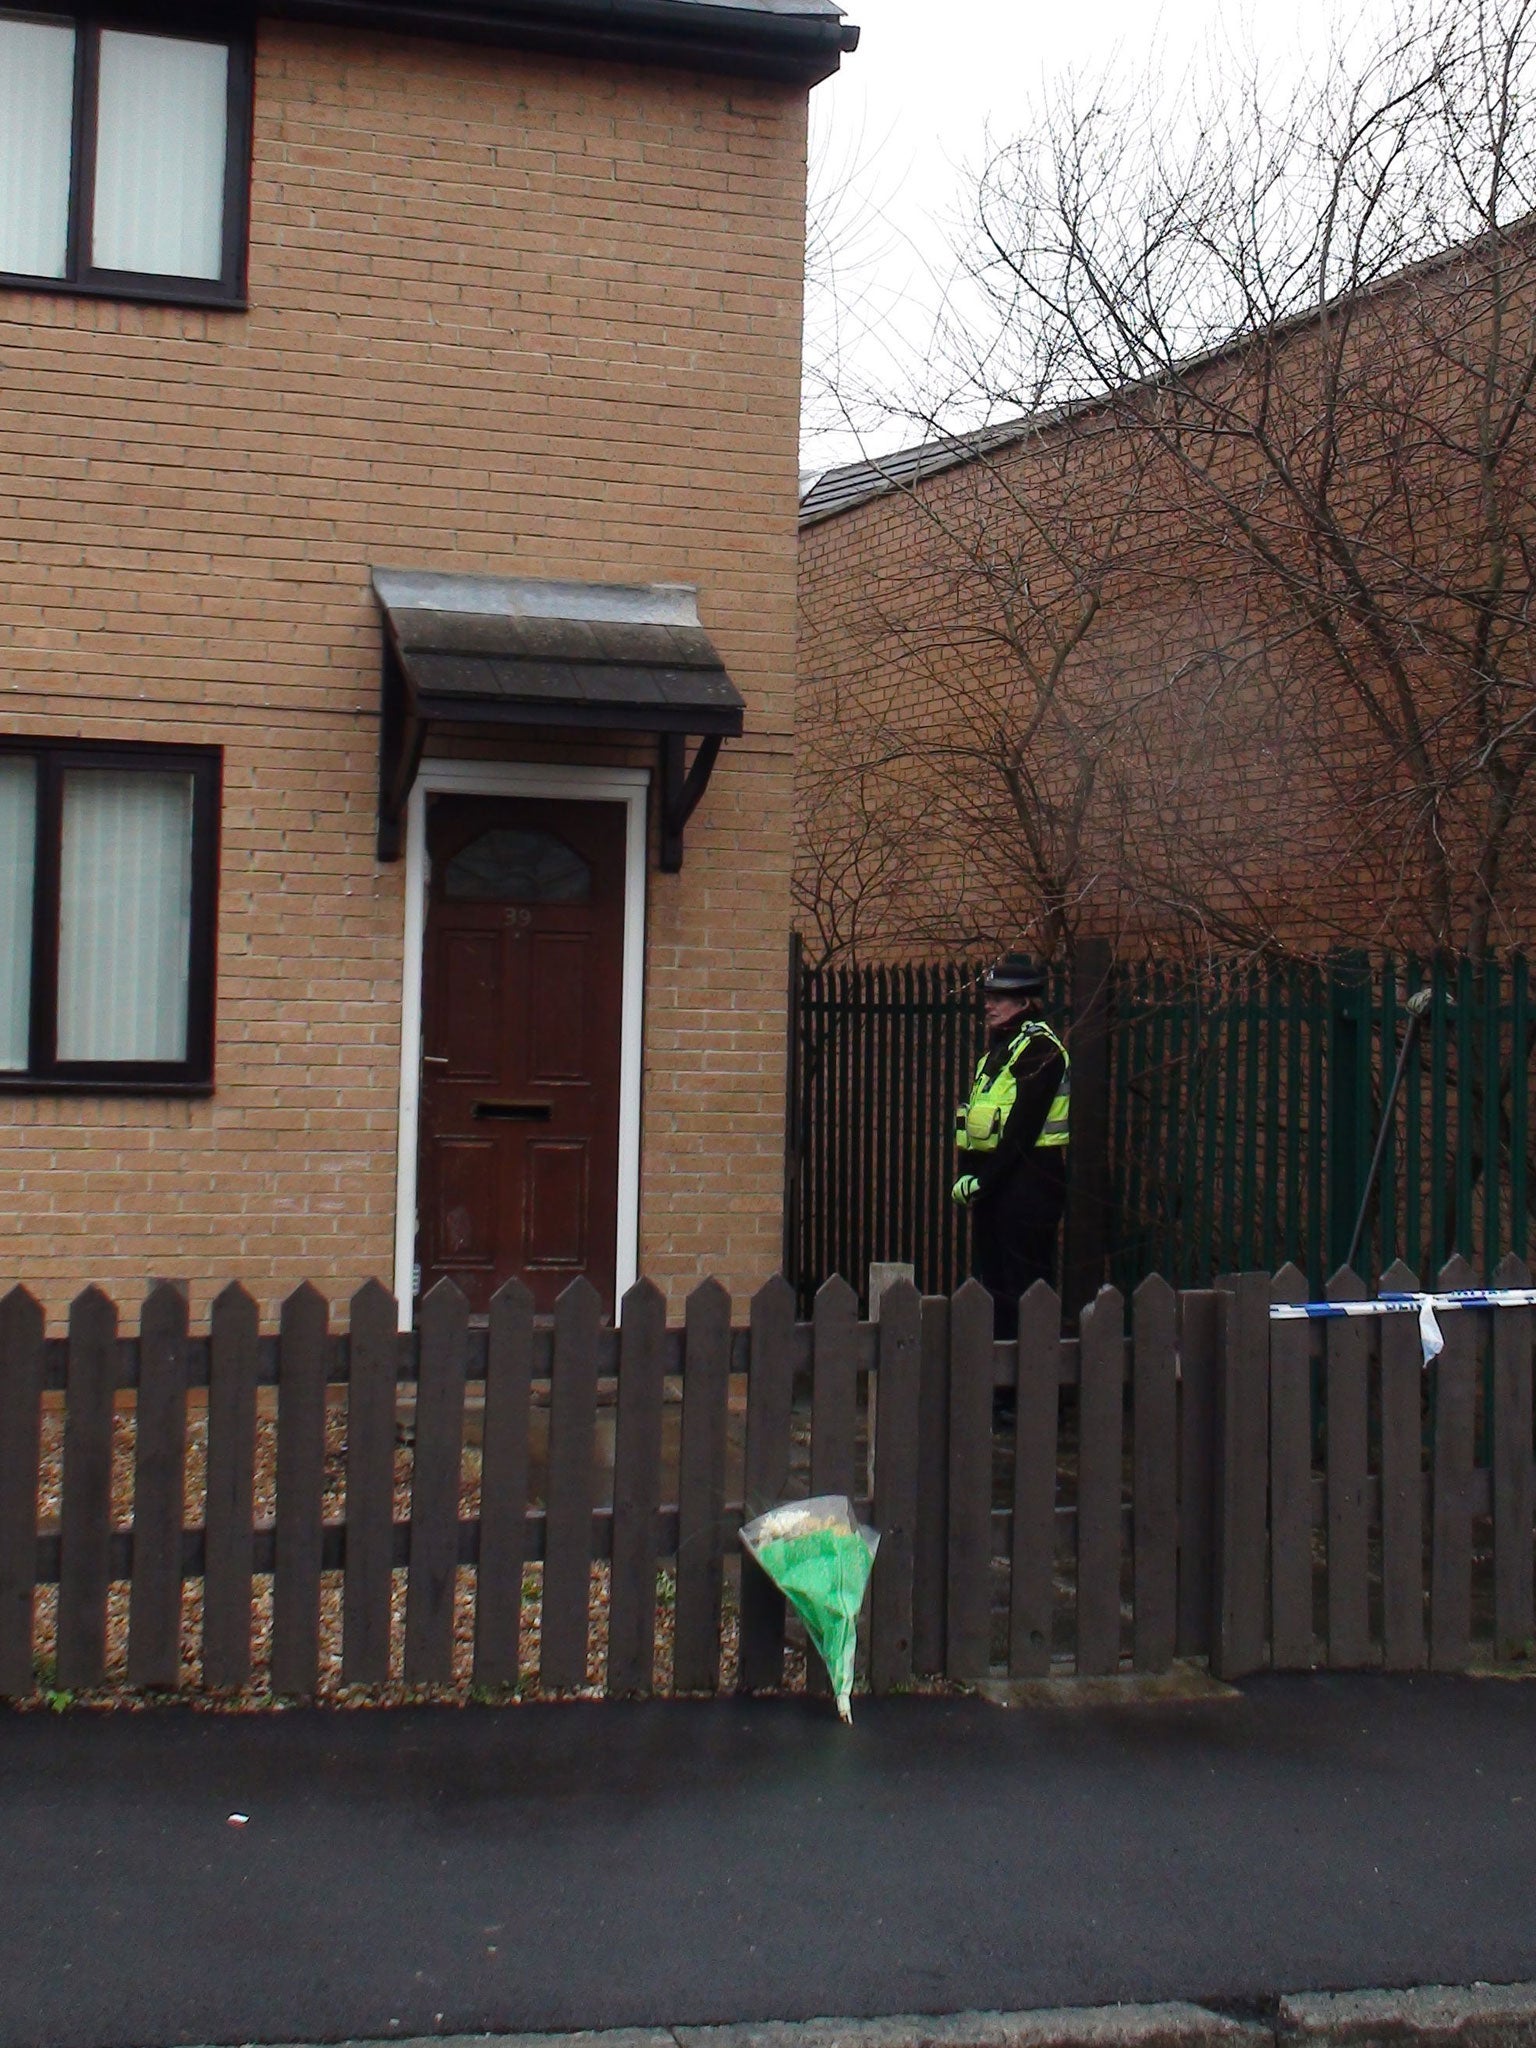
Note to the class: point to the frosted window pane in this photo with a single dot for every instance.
(125, 916)
(160, 146)
(37, 90)
(503, 866)
(18, 846)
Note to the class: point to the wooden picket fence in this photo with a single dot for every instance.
(1372, 1510)
(1188, 1479)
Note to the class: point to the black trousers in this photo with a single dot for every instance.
(1012, 1246)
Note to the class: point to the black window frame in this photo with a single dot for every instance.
(45, 1072)
(202, 24)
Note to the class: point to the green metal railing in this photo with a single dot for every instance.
(1244, 1105)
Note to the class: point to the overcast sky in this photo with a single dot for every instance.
(893, 133)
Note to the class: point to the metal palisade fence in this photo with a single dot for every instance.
(881, 1057)
(1242, 1107)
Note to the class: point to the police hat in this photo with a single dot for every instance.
(1014, 975)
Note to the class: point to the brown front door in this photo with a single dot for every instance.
(522, 999)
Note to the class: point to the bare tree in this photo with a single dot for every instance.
(1022, 715)
(960, 712)
(1318, 326)
(1229, 632)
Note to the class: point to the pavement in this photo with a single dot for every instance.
(443, 1871)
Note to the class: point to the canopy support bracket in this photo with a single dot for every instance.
(681, 791)
(402, 736)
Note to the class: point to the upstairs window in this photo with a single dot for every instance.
(123, 157)
(108, 884)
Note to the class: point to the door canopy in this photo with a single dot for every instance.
(489, 654)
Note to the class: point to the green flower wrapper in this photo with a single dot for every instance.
(820, 1555)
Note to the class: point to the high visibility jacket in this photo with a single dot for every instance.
(980, 1120)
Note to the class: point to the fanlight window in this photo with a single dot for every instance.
(503, 866)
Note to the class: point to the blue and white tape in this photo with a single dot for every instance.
(1424, 1306)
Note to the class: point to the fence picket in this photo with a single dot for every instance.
(850, 1047)
(436, 1478)
(1155, 1527)
(1101, 1353)
(834, 1388)
(895, 1505)
(568, 1515)
(1347, 1352)
(970, 1484)
(1290, 1481)
(770, 1403)
(701, 1488)
(1413, 1129)
(504, 1487)
(1295, 1232)
(1179, 1121)
(1514, 1620)
(1242, 1440)
(371, 1409)
(834, 1406)
(1438, 1136)
(85, 1515)
(232, 1369)
(1463, 1018)
(159, 1492)
(1274, 1129)
(1089, 1197)
(1032, 1587)
(1492, 1106)
(1387, 1178)
(1402, 1482)
(300, 1492)
(1519, 1106)
(930, 1549)
(636, 1489)
(21, 1397)
(1199, 1340)
(1450, 1593)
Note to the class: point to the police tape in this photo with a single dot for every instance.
(1424, 1306)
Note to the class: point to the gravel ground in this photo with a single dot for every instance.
(258, 1694)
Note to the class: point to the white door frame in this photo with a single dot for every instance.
(546, 781)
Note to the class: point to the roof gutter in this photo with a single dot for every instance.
(793, 49)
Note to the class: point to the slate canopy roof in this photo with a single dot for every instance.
(495, 652)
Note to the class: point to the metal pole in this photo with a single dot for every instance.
(1417, 1005)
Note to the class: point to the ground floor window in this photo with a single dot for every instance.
(108, 890)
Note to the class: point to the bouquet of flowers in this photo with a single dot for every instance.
(819, 1555)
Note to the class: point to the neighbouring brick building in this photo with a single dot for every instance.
(398, 414)
(1237, 659)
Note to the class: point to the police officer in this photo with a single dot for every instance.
(1012, 1137)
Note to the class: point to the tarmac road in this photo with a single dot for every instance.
(596, 1866)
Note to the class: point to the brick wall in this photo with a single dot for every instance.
(508, 315)
(1199, 773)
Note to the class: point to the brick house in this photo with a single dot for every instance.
(399, 431)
